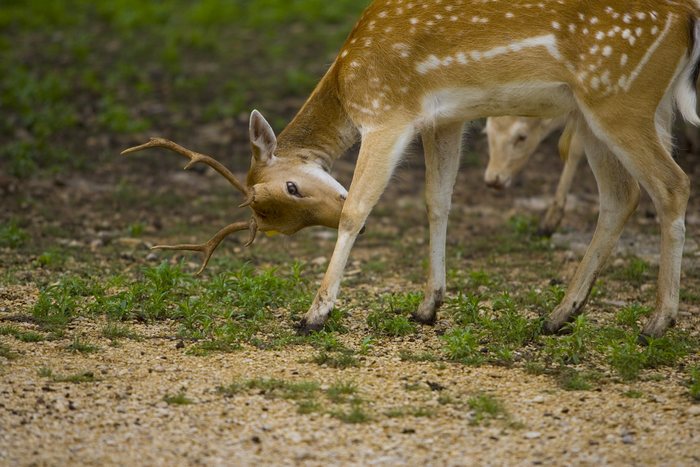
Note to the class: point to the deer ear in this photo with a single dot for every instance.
(262, 138)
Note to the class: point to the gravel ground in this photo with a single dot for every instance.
(122, 418)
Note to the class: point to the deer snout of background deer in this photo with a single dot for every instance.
(512, 140)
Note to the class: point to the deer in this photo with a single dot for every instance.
(513, 140)
(413, 67)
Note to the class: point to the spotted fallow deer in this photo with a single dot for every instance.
(513, 140)
(424, 67)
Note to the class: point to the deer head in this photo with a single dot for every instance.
(512, 140)
(288, 191)
(284, 192)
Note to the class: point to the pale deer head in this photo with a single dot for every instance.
(285, 194)
(512, 141)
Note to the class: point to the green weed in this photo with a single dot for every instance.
(339, 360)
(485, 407)
(12, 235)
(339, 392)
(462, 345)
(19, 334)
(79, 346)
(694, 384)
(177, 399)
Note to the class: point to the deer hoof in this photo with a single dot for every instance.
(655, 328)
(422, 319)
(304, 328)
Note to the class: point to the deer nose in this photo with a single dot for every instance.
(343, 197)
(497, 182)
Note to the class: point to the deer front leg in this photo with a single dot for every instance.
(442, 147)
(555, 213)
(619, 195)
(380, 151)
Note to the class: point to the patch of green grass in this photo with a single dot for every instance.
(572, 380)
(177, 399)
(339, 392)
(462, 345)
(573, 347)
(694, 384)
(467, 308)
(116, 331)
(12, 235)
(633, 394)
(408, 356)
(6, 352)
(392, 317)
(19, 334)
(338, 360)
(355, 415)
(79, 346)
(634, 271)
(630, 315)
(628, 358)
(410, 411)
(77, 378)
(485, 407)
(51, 259)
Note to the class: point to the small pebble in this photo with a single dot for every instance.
(538, 400)
(694, 410)
(532, 435)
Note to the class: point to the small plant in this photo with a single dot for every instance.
(634, 271)
(6, 352)
(356, 414)
(408, 356)
(467, 308)
(116, 331)
(77, 378)
(387, 325)
(339, 360)
(694, 384)
(485, 407)
(24, 336)
(571, 349)
(631, 314)
(53, 258)
(462, 345)
(177, 399)
(79, 346)
(572, 380)
(12, 235)
(633, 394)
(340, 391)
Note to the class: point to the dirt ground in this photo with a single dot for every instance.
(121, 415)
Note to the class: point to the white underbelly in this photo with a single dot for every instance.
(524, 100)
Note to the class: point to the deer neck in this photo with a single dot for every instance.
(321, 131)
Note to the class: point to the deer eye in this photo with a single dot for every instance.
(293, 190)
(520, 139)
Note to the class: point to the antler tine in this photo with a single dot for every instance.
(208, 248)
(194, 158)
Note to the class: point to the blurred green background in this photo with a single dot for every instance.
(83, 79)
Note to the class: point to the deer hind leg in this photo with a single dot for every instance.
(669, 188)
(380, 151)
(555, 213)
(442, 147)
(619, 195)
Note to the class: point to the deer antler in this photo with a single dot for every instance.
(194, 158)
(206, 248)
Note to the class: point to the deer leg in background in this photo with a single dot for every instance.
(380, 151)
(554, 215)
(443, 148)
(619, 195)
